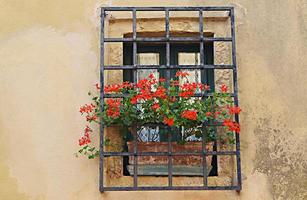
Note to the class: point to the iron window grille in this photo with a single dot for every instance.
(168, 40)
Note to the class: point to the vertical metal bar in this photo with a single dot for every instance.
(201, 35)
(204, 156)
(135, 164)
(134, 46)
(236, 101)
(168, 73)
(168, 76)
(101, 155)
(170, 161)
(135, 161)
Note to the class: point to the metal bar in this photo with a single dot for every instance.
(168, 76)
(101, 142)
(195, 95)
(201, 66)
(134, 46)
(236, 100)
(108, 154)
(204, 156)
(167, 36)
(152, 124)
(135, 163)
(211, 8)
(147, 188)
(171, 39)
(170, 161)
(201, 37)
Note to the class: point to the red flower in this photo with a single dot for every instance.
(216, 114)
(127, 85)
(234, 110)
(189, 114)
(174, 83)
(134, 100)
(186, 94)
(91, 118)
(151, 76)
(162, 80)
(182, 74)
(85, 139)
(155, 107)
(113, 110)
(113, 88)
(232, 126)
(86, 108)
(235, 127)
(224, 88)
(208, 114)
(173, 99)
(97, 86)
(87, 129)
(206, 87)
(160, 92)
(168, 121)
(227, 122)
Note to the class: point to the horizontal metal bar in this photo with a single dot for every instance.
(117, 67)
(208, 153)
(126, 95)
(205, 123)
(171, 188)
(210, 8)
(171, 39)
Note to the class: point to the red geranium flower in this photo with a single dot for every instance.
(224, 88)
(162, 80)
(208, 114)
(151, 76)
(113, 110)
(206, 87)
(86, 108)
(189, 114)
(234, 110)
(160, 92)
(216, 114)
(155, 107)
(97, 86)
(168, 121)
(232, 126)
(182, 74)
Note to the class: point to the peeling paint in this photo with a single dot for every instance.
(283, 159)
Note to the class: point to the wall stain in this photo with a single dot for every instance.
(279, 157)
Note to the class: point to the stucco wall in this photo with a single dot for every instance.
(49, 59)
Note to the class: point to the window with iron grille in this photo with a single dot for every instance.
(163, 53)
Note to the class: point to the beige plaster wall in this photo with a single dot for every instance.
(49, 57)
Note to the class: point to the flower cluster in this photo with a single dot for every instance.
(175, 103)
(189, 114)
(84, 140)
(231, 125)
(113, 106)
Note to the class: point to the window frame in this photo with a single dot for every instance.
(134, 40)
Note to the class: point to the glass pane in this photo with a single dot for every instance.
(147, 59)
(147, 134)
(190, 59)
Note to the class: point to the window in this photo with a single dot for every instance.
(164, 54)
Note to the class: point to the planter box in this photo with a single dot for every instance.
(191, 160)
